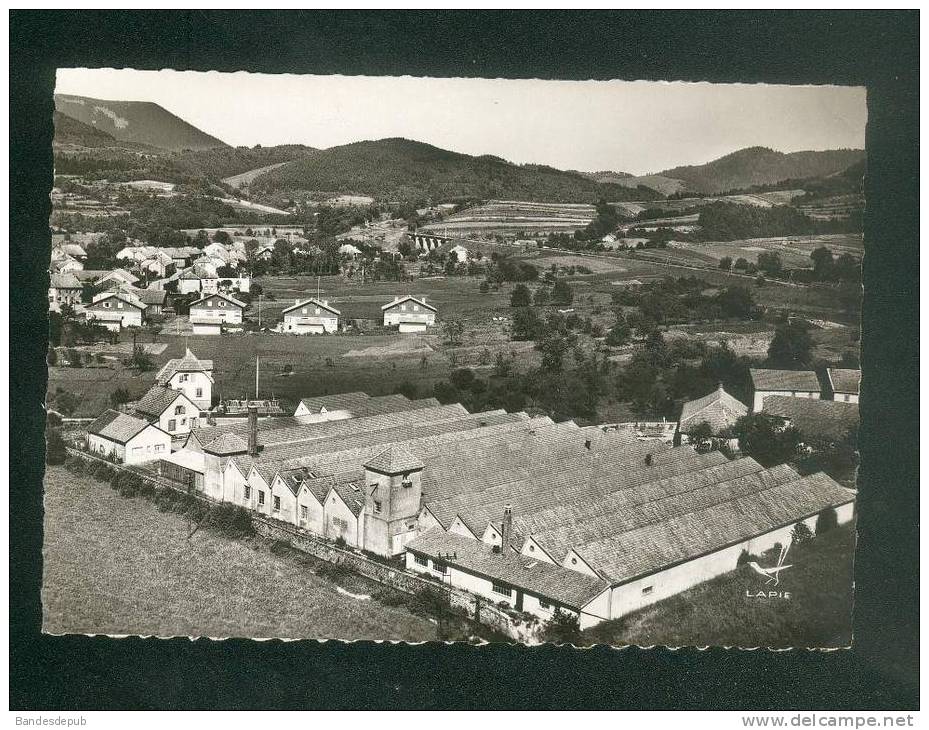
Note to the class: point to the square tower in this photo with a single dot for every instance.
(393, 495)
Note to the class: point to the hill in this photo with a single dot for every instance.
(136, 121)
(402, 169)
(761, 166)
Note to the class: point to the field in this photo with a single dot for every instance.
(120, 566)
(794, 250)
(718, 612)
(509, 217)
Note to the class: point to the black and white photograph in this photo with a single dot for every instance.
(453, 359)
(484, 360)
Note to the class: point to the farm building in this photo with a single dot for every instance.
(718, 409)
(63, 288)
(844, 384)
(520, 491)
(127, 439)
(409, 314)
(193, 377)
(819, 421)
(310, 316)
(115, 310)
(793, 383)
(169, 409)
(210, 314)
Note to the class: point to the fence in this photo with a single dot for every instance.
(518, 627)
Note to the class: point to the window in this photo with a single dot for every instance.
(403, 307)
(178, 410)
(106, 305)
(222, 303)
(421, 560)
(172, 425)
(119, 305)
(377, 507)
(647, 590)
(184, 377)
(340, 524)
(199, 392)
(248, 492)
(316, 311)
(159, 448)
(500, 588)
(532, 548)
(846, 398)
(415, 307)
(261, 497)
(439, 567)
(209, 303)
(277, 504)
(304, 512)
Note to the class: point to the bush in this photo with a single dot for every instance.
(801, 533)
(562, 628)
(55, 448)
(51, 357)
(826, 520)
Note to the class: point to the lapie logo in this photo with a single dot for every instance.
(772, 576)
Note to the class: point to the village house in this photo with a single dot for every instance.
(718, 410)
(127, 439)
(820, 422)
(153, 299)
(169, 409)
(116, 310)
(65, 264)
(63, 289)
(264, 253)
(409, 314)
(73, 250)
(844, 384)
(193, 377)
(210, 314)
(793, 383)
(310, 316)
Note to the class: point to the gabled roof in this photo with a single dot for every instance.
(408, 298)
(187, 364)
(719, 409)
(64, 281)
(844, 380)
(334, 402)
(151, 296)
(314, 302)
(799, 380)
(117, 426)
(815, 419)
(561, 586)
(394, 460)
(158, 399)
(351, 494)
(219, 295)
(121, 295)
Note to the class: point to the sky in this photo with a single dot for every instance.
(639, 127)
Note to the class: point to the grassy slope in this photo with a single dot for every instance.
(120, 566)
(718, 613)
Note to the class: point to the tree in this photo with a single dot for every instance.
(553, 350)
(791, 348)
(740, 264)
(222, 237)
(736, 302)
(801, 533)
(502, 366)
(826, 520)
(770, 263)
(141, 360)
(454, 330)
(766, 439)
(66, 402)
(462, 378)
(541, 296)
(725, 263)
(119, 396)
(822, 264)
(521, 297)
(527, 324)
(618, 335)
(562, 293)
(562, 628)
(55, 447)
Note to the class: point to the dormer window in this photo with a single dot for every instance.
(304, 310)
(403, 307)
(222, 303)
(209, 303)
(415, 307)
(317, 310)
(119, 305)
(106, 305)
(178, 410)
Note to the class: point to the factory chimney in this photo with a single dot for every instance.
(253, 429)
(506, 527)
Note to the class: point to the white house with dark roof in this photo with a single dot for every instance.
(193, 377)
(128, 439)
(844, 384)
(793, 383)
(718, 409)
(210, 314)
(169, 409)
(115, 310)
(409, 314)
(310, 316)
(63, 288)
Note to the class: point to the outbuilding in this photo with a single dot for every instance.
(311, 316)
(792, 383)
(409, 314)
(211, 313)
(128, 439)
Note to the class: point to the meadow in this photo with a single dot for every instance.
(817, 614)
(114, 565)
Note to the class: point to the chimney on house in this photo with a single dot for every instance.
(506, 527)
(252, 429)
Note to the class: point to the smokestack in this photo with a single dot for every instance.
(506, 532)
(253, 430)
